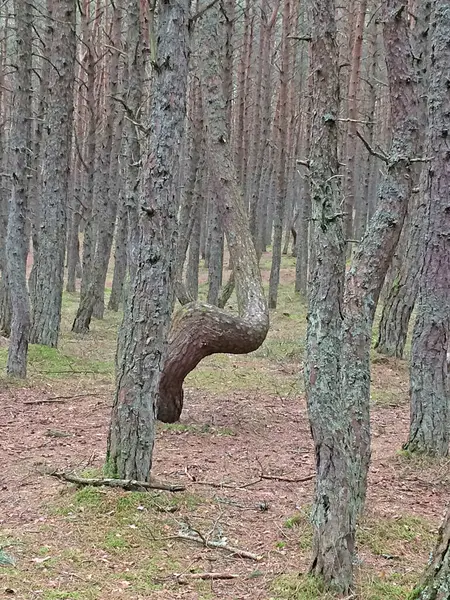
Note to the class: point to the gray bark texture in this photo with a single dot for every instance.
(199, 330)
(365, 277)
(281, 189)
(49, 276)
(16, 237)
(429, 429)
(333, 542)
(436, 583)
(120, 259)
(339, 333)
(142, 344)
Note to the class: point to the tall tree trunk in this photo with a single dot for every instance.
(16, 237)
(120, 259)
(202, 328)
(280, 203)
(142, 344)
(332, 546)
(351, 145)
(89, 161)
(429, 429)
(49, 281)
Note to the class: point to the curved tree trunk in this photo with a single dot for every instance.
(199, 330)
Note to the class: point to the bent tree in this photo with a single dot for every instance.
(199, 330)
(429, 429)
(142, 343)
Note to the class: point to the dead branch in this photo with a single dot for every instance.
(381, 155)
(59, 399)
(184, 577)
(211, 544)
(126, 484)
(288, 479)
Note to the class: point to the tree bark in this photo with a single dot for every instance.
(49, 277)
(16, 237)
(281, 193)
(201, 328)
(142, 344)
(436, 584)
(120, 259)
(429, 429)
(332, 545)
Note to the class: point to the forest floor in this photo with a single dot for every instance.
(242, 449)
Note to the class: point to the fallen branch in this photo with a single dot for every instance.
(211, 544)
(126, 484)
(288, 479)
(59, 399)
(184, 577)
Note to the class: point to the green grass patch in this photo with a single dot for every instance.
(389, 536)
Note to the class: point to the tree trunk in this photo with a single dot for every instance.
(120, 259)
(436, 584)
(16, 237)
(281, 189)
(142, 344)
(333, 544)
(429, 429)
(49, 280)
(351, 145)
(199, 330)
(89, 160)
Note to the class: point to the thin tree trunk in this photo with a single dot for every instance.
(120, 259)
(16, 237)
(49, 279)
(280, 203)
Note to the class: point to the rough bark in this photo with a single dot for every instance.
(436, 583)
(120, 259)
(142, 344)
(349, 188)
(89, 161)
(16, 237)
(281, 193)
(332, 544)
(199, 330)
(402, 293)
(49, 279)
(105, 206)
(368, 270)
(429, 429)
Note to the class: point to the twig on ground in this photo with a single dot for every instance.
(184, 577)
(126, 484)
(288, 479)
(59, 399)
(220, 545)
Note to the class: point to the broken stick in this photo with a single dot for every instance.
(126, 484)
(184, 577)
(211, 544)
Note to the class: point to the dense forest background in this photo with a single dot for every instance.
(252, 197)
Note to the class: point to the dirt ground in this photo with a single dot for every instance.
(241, 440)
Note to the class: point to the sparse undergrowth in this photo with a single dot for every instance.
(92, 544)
